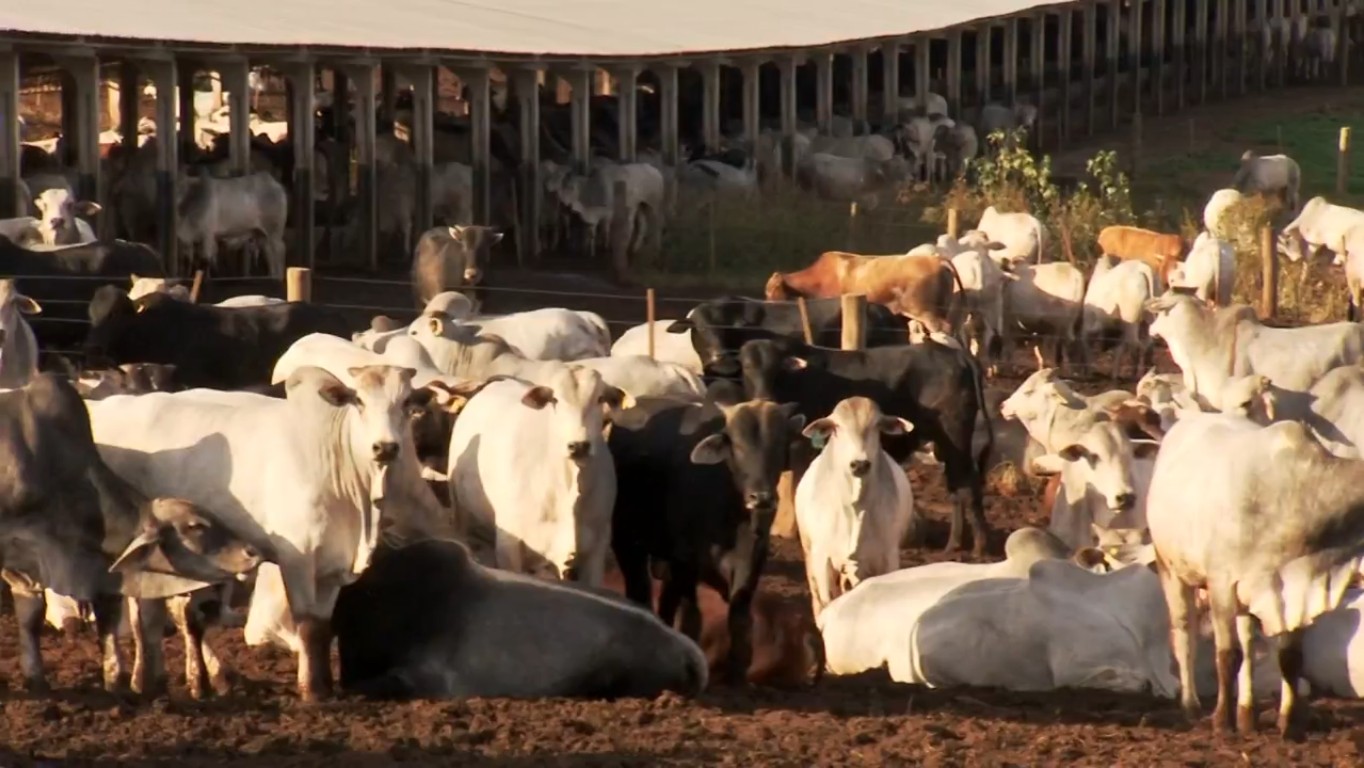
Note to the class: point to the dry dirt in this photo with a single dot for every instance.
(862, 720)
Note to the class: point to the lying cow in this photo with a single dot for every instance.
(922, 287)
(426, 621)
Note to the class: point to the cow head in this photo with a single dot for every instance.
(380, 401)
(1292, 246)
(580, 405)
(432, 421)
(112, 314)
(1037, 396)
(176, 541)
(452, 304)
(852, 436)
(1103, 454)
(775, 289)
(754, 444)
(718, 328)
(57, 211)
(469, 249)
(1251, 397)
(1121, 547)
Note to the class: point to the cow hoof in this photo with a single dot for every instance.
(37, 685)
(197, 692)
(953, 545)
(1245, 720)
(1289, 730)
(220, 684)
(149, 688)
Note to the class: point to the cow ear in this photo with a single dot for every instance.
(1091, 558)
(794, 420)
(1047, 465)
(457, 232)
(136, 554)
(820, 428)
(88, 208)
(795, 363)
(337, 394)
(712, 450)
(538, 397)
(495, 239)
(616, 398)
(436, 326)
(894, 425)
(680, 326)
(1075, 452)
(26, 305)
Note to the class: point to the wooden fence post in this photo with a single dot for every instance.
(1269, 262)
(298, 284)
(953, 222)
(854, 321)
(1343, 161)
(621, 231)
(197, 286)
(805, 328)
(649, 308)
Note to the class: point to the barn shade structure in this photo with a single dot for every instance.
(1086, 65)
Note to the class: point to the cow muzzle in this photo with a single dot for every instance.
(1124, 501)
(759, 500)
(860, 468)
(579, 449)
(472, 276)
(385, 451)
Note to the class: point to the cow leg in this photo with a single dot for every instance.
(29, 609)
(1179, 599)
(192, 634)
(108, 614)
(147, 619)
(740, 622)
(679, 591)
(1290, 667)
(634, 568)
(1245, 681)
(1229, 659)
(314, 663)
(509, 552)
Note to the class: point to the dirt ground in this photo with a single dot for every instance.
(860, 720)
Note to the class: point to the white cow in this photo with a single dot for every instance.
(871, 147)
(849, 179)
(871, 626)
(532, 461)
(1023, 236)
(1045, 300)
(1104, 473)
(854, 504)
(1269, 175)
(1209, 270)
(668, 347)
(1215, 212)
(1115, 302)
(23, 231)
(337, 356)
(1333, 649)
(551, 333)
(145, 286)
(1266, 521)
(592, 198)
(1212, 347)
(18, 345)
(235, 208)
(59, 220)
(313, 472)
(1319, 225)
(982, 286)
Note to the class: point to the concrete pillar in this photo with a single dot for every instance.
(82, 142)
(236, 78)
(752, 103)
(1240, 10)
(367, 190)
(1089, 35)
(164, 76)
(303, 137)
(953, 94)
(1011, 59)
(530, 190)
(983, 35)
(480, 136)
(129, 99)
(1201, 53)
(627, 128)
(1134, 51)
(824, 90)
(859, 88)
(1038, 53)
(185, 103)
(10, 202)
(667, 97)
(710, 104)
(788, 96)
(890, 83)
(1223, 19)
(581, 113)
(922, 75)
(1111, 50)
(1280, 43)
(1158, 68)
(388, 92)
(340, 106)
(1179, 16)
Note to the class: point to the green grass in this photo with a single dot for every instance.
(1185, 180)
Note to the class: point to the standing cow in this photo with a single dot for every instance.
(450, 258)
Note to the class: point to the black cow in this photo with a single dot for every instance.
(62, 323)
(696, 494)
(936, 387)
(210, 346)
(425, 620)
(720, 326)
(65, 517)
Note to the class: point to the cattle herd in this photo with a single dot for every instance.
(450, 499)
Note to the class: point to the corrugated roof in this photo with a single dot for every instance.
(606, 28)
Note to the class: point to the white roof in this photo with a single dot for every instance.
(604, 28)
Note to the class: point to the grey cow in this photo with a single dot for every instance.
(450, 258)
(69, 524)
(426, 620)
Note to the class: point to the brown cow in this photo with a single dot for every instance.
(788, 650)
(1159, 250)
(922, 287)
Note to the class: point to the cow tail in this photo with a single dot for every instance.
(978, 380)
(956, 311)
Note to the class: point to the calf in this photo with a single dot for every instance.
(18, 346)
(935, 387)
(1115, 304)
(720, 326)
(531, 461)
(238, 207)
(697, 493)
(854, 504)
(220, 347)
(1158, 250)
(58, 219)
(1022, 234)
(921, 287)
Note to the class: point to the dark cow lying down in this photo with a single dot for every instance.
(425, 620)
(69, 524)
(217, 347)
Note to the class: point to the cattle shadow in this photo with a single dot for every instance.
(335, 756)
